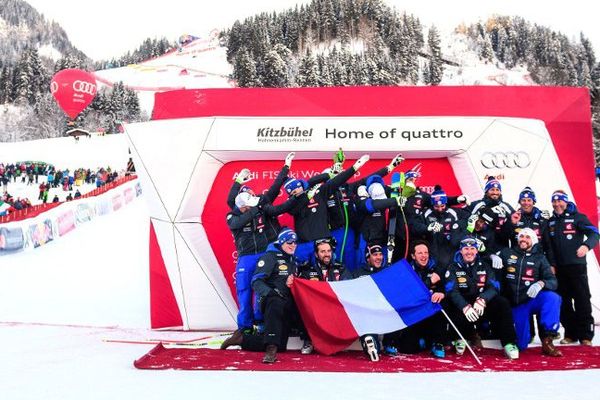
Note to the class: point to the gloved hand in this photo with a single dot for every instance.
(435, 227)
(360, 162)
(361, 192)
(496, 262)
(479, 306)
(464, 199)
(401, 200)
(336, 168)
(288, 159)
(244, 176)
(500, 211)
(395, 162)
(535, 289)
(480, 245)
(470, 313)
(311, 193)
(339, 157)
(546, 214)
(471, 223)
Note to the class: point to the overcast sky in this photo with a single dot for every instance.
(109, 28)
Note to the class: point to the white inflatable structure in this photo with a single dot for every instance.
(186, 165)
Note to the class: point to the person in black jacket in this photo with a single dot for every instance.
(442, 228)
(492, 199)
(528, 216)
(272, 279)
(431, 332)
(570, 236)
(310, 212)
(529, 284)
(472, 289)
(247, 223)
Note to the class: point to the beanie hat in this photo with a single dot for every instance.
(293, 183)
(560, 196)
(528, 232)
(469, 242)
(527, 193)
(286, 235)
(438, 197)
(372, 249)
(492, 182)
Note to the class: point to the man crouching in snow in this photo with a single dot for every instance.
(272, 279)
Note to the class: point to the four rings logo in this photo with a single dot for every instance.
(505, 159)
(84, 87)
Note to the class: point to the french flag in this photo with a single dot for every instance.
(337, 313)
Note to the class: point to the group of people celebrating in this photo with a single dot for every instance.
(491, 268)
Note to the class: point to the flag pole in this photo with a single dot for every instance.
(462, 337)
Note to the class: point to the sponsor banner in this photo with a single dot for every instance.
(138, 189)
(352, 133)
(66, 222)
(434, 171)
(103, 206)
(84, 213)
(117, 202)
(11, 240)
(41, 233)
(129, 195)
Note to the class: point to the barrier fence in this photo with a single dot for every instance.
(47, 222)
(34, 211)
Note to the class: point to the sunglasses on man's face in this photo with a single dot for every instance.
(291, 242)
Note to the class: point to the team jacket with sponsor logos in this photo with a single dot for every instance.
(566, 233)
(310, 214)
(322, 272)
(521, 270)
(272, 271)
(443, 244)
(532, 220)
(426, 272)
(252, 229)
(343, 198)
(466, 282)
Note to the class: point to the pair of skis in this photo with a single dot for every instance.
(393, 215)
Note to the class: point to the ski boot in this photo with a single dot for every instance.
(459, 347)
(437, 350)
(511, 351)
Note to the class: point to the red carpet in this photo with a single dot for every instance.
(575, 357)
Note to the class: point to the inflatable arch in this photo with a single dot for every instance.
(188, 155)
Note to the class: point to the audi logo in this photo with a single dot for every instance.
(84, 87)
(505, 159)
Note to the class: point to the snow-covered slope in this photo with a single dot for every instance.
(199, 64)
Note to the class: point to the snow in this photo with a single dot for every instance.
(60, 303)
(200, 64)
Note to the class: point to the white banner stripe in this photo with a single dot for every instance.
(366, 306)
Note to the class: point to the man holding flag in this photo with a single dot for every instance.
(337, 313)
